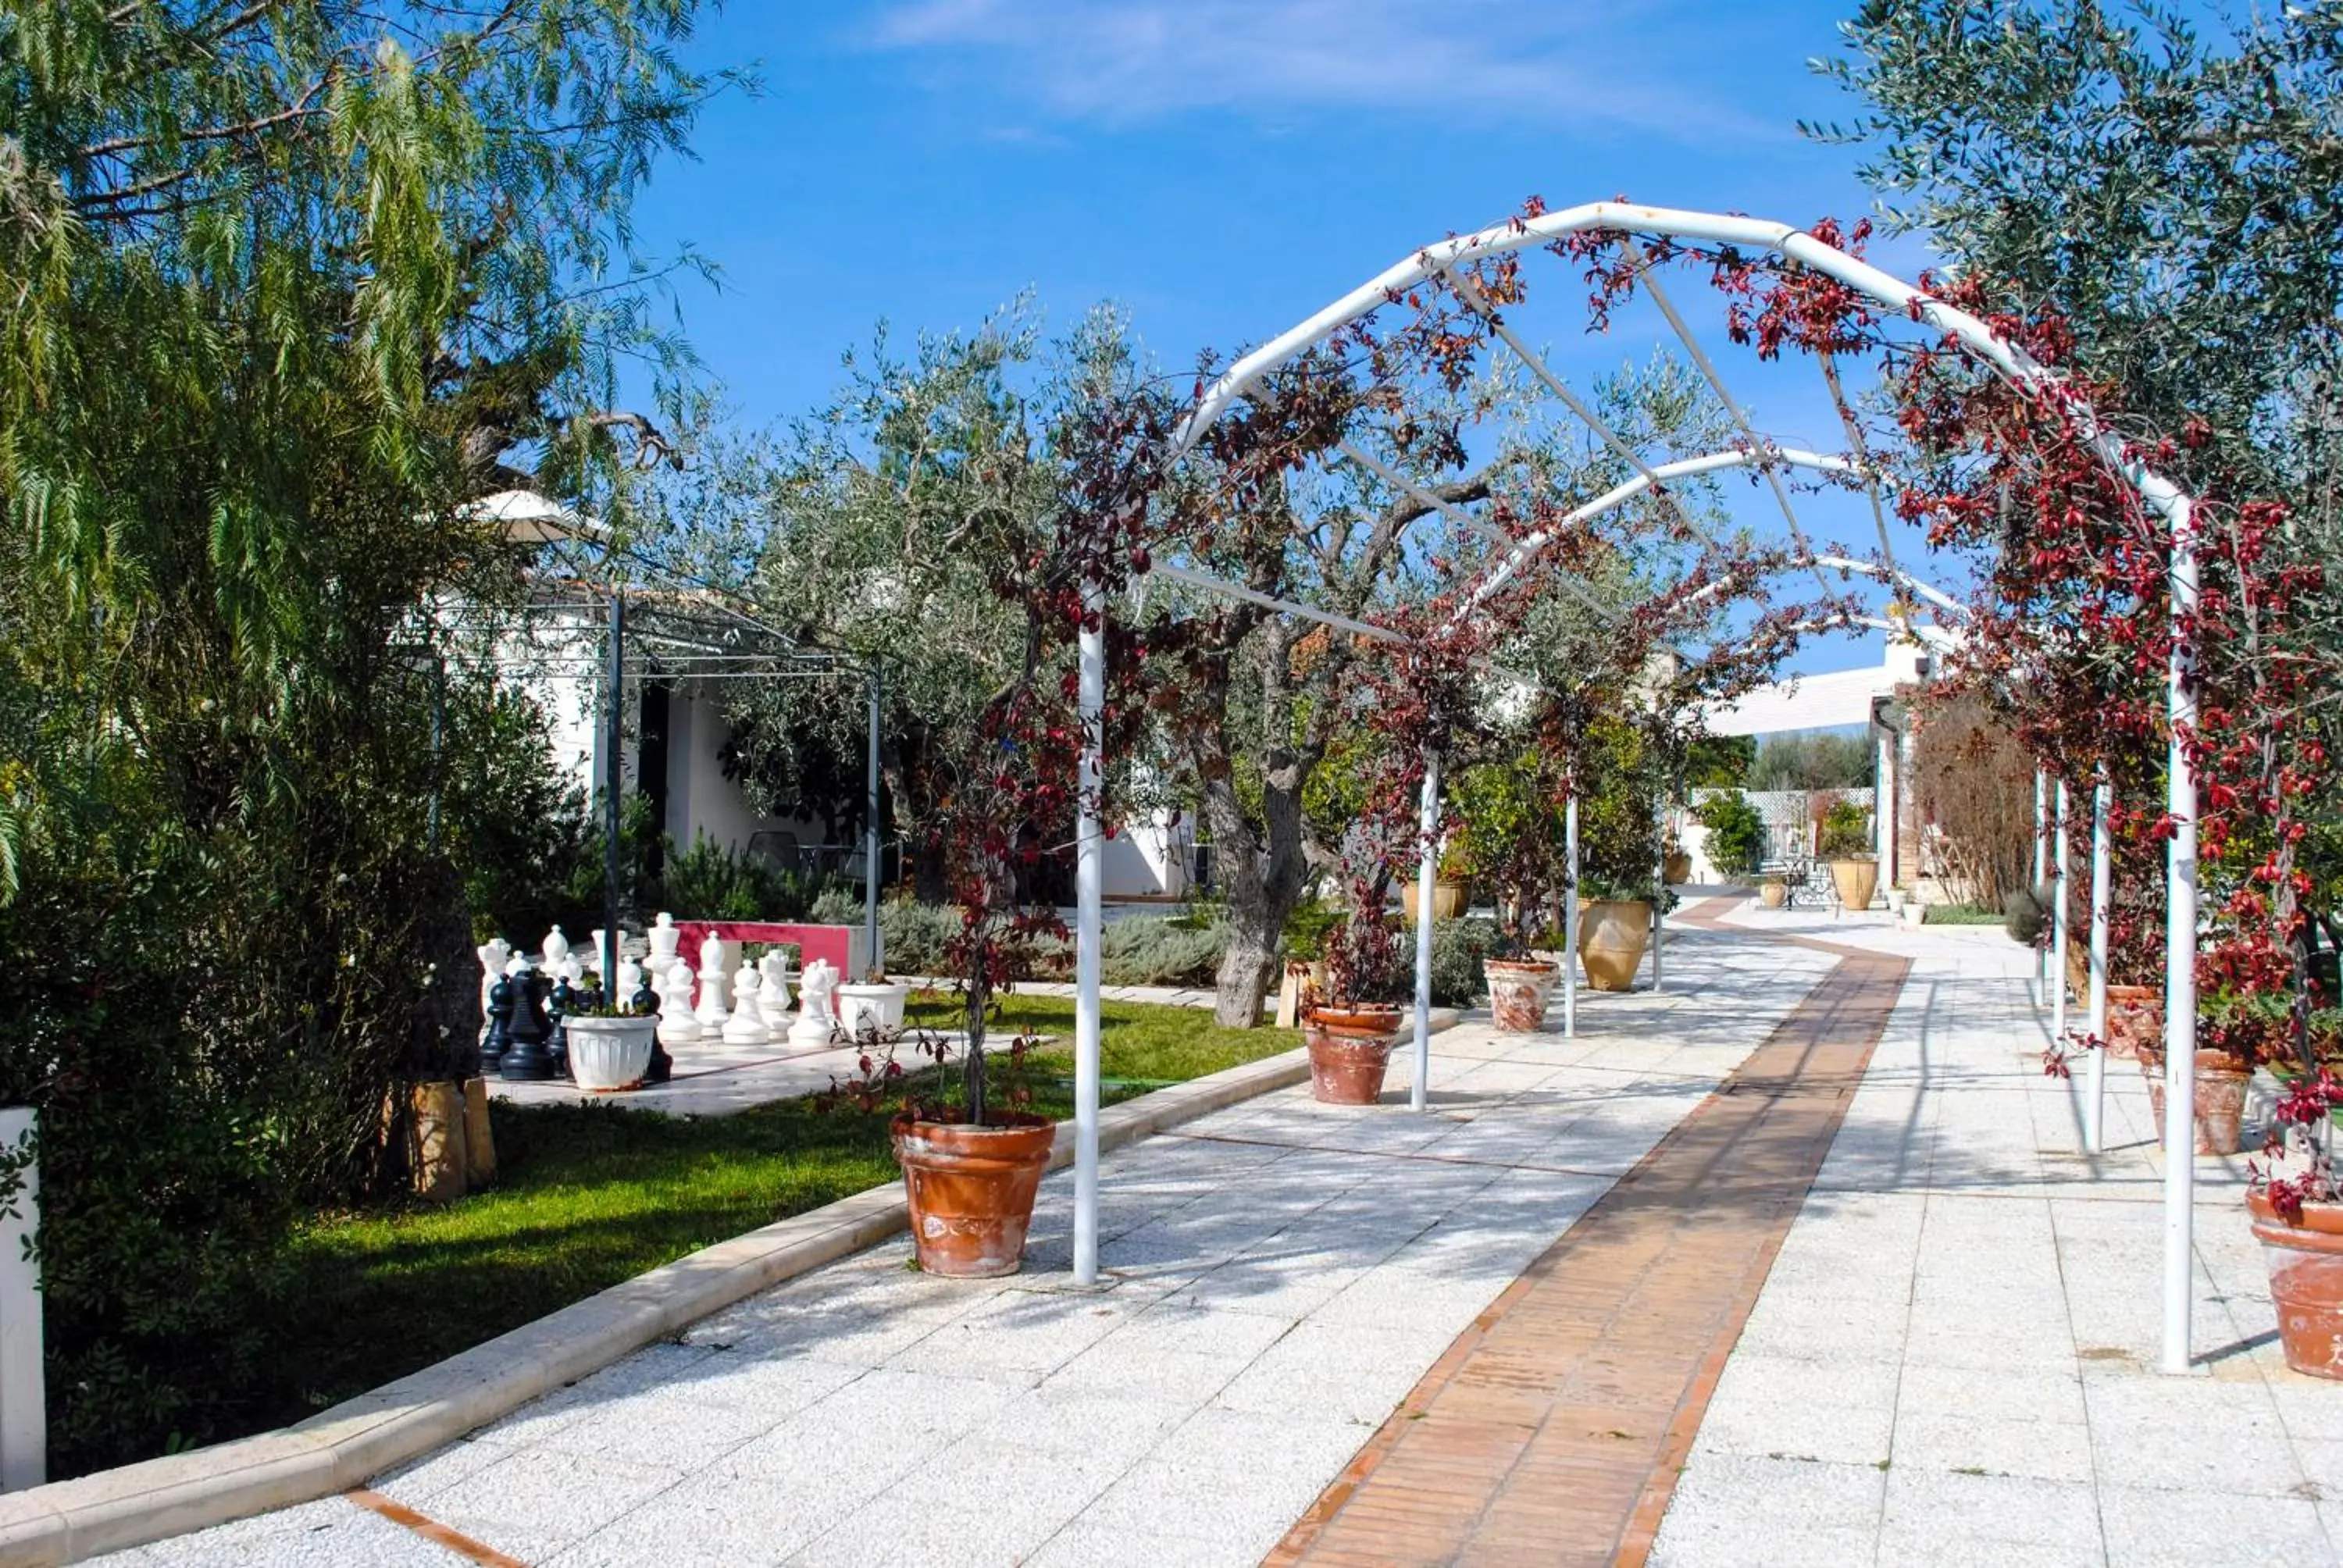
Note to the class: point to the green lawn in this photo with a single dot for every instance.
(593, 1194)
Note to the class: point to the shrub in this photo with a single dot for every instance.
(1845, 832)
(1457, 948)
(1736, 833)
(1154, 951)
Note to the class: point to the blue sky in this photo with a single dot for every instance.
(1218, 167)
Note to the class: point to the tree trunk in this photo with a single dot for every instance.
(1248, 971)
(1264, 884)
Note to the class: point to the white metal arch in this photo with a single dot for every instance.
(2005, 358)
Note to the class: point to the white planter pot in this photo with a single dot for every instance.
(871, 1006)
(1914, 913)
(607, 1054)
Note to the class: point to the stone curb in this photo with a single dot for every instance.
(340, 1448)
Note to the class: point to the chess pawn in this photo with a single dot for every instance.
(815, 1020)
(677, 1026)
(631, 985)
(773, 993)
(664, 939)
(498, 1033)
(747, 1024)
(714, 1008)
(494, 954)
(556, 952)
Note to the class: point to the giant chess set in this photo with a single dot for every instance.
(527, 998)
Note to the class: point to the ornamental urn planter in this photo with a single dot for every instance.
(2306, 1281)
(1677, 868)
(1773, 893)
(971, 1189)
(2221, 1082)
(873, 1004)
(1448, 901)
(1856, 881)
(609, 1054)
(1518, 989)
(1349, 1051)
(1612, 936)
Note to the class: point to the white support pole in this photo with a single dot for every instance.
(1090, 883)
(1659, 883)
(23, 1399)
(2041, 854)
(1419, 1094)
(2095, 1100)
(1883, 804)
(2180, 965)
(1570, 919)
(2059, 922)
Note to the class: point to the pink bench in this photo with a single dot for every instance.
(837, 944)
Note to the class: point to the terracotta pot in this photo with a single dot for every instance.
(1448, 901)
(2306, 1280)
(2220, 1097)
(971, 1190)
(2135, 1018)
(1855, 880)
(1773, 893)
(1349, 1051)
(1677, 868)
(1612, 936)
(1518, 989)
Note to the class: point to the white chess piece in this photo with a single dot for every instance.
(815, 1019)
(664, 938)
(773, 993)
(714, 1001)
(494, 954)
(630, 981)
(747, 1024)
(677, 1026)
(555, 950)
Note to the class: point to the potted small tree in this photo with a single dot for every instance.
(1350, 1030)
(1843, 840)
(2299, 1220)
(1615, 928)
(1520, 985)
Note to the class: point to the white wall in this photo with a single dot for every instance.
(699, 799)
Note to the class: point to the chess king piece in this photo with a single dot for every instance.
(815, 1019)
(773, 994)
(677, 1025)
(664, 939)
(747, 1024)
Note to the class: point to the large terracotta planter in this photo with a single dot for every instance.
(2221, 1083)
(1349, 1051)
(1518, 989)
(610, 1054)
(1677, 868)
(1855, 880)
(971, 1190)
(1612, 936)
(2306, 1280)
(2135, 1019)
(1773, 893)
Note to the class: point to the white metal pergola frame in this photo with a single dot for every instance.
(1442, 261)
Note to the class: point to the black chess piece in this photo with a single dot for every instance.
(492, 1043)
(661, 1066)
(566, 1000)
(525, 1059)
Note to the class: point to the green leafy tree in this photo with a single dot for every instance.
(288, 285)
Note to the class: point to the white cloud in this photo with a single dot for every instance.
(1472, 61)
